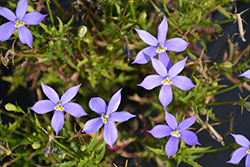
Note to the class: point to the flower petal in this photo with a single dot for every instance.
(69, 94)
(147, 37)
(50, 93)
(247, 162)
(159, 67)
(25, 36)
(186, 123)
(176, 44)
(6, 30)
(238, 155)
(98, 105)
(151, 81)
(177, 68)
(246, 74)
(92, 125)
(182, 82)
(160, 131)
(110, 133)
(144, 55)
(21, 8)
(171, 146)
(114, 102)
(241, 140)
(57, 121)
(43, 106)
(8, 14)
(165, 95)
(163, 57)
(162, 30)
(33, 18)
(171, 120)
(121, 116)
(74, 109)
(189, 137)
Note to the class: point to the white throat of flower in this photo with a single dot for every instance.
(160, 48)
(19, 23)
(166, 81)
(59, 107)
(175, 133)
(105, 118)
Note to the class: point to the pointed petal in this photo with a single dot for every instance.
(21, 8)
(162, 30)
(176, 44)
(165, 95)
(8, 14)
(43, 106)
(238, 155)
(57, 121)
(159, 67)
(189, 137)
(25, 36)
(110, 133)
(93, 125)
(33, 18)
(177, 68)
(171, 146)
(147, 37)
(144, 55)
(247, 162)
(151, 81)
(182, 82)
(186, 123)
(160, 131)
(74, 109)
(171, 120)
(241, 140)
(98, 105)
(6, 30)
(114, 102)
(121, 116)
(163, 57)
(50, 93)
(246, 74)
(69, 94)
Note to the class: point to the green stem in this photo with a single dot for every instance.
(50, 14)
(65, 148)
(220, 103)
(132, 10)
(169, 15)
(211, 23)
(217, 149)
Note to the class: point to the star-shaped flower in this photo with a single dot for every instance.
(59, 105)
(108, 117)
(159, 45)
(245, 74)
(175, 132)
(242, 151)
(166, 78)
(18, 22)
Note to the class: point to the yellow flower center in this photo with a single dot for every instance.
(248, 151)
(160, 48)
(105, 118)
(175, 133)
(59, 107)
(166, 81)
(19, 23)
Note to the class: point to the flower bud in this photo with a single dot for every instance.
(36, 145)
(226, 64)
(10, 107)
(82, 31)
(142, 17)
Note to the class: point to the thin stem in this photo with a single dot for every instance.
(50, 14)
(217, 149)
(65, 148)
(221, 103)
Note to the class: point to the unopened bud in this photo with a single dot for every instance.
(82, 31)
(142, 17)
(10, 107)
(227, 64)
(36, 145)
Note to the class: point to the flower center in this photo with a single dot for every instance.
(59, 107)
(166, 81)
(105, 118)
(19, 23)
(248, 151)
(160, 48)
(175, 133)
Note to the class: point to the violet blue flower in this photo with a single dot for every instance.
(175, 132)
(166, 78)
(246, 74)
(108, 117)
(59, 105)
(159, 45)
(18, 22)
(242, 151)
